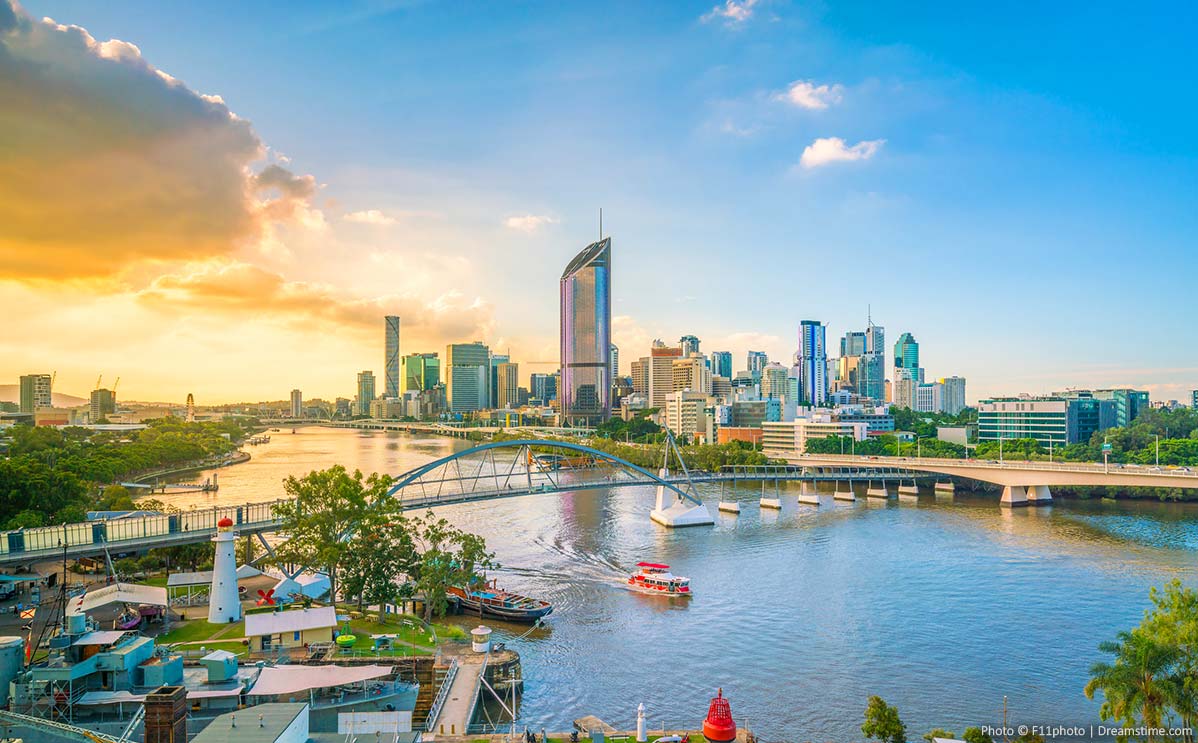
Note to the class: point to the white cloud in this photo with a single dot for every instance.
(370, 216)
(806, 94)
(528, 222)
(732, 12)
(833, 149)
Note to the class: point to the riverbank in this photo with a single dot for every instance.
(239, 458)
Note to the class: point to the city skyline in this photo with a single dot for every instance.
(818, 141)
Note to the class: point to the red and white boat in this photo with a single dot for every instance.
(657, 579)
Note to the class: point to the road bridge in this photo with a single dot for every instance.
(1023, 482)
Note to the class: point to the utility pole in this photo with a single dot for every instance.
(1158, 449)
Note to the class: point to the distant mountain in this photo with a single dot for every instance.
(12, 393)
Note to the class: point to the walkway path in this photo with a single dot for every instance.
(455, 713)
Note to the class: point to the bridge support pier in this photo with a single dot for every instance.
(1013, 496)
(877, 491)
(672, 512)
(1039, 495)
(947, 487)
(808, 495)
(911, 489)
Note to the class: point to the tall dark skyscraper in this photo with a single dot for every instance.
(585, 392)
(391, 356)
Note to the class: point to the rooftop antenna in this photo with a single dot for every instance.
(869, 315)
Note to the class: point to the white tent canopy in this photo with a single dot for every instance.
(288, 679)
(119, 593)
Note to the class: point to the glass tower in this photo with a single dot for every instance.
(391, 356)
(813, 363)
(585, 392)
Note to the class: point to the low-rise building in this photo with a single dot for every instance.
(783, 438)
(294, 628)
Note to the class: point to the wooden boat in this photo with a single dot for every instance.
(499, 603)
(655, 578)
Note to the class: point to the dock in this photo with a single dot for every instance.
(458, 707)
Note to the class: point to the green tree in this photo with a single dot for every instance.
(1137, 686)
(939, 733)
(976, 735)
(448, 557)
(380, 553)
(1173, 622)
(325, 509)
(882, 722)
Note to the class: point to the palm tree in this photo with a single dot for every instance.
(1138, 682)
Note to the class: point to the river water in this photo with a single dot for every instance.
(942, 607)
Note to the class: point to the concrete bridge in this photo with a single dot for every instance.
(1023, 482)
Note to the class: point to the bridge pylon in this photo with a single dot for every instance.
(670, 509)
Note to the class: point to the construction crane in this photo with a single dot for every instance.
(114, 384)
(98, 380)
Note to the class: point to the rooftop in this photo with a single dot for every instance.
(294, 620)
(263, 723)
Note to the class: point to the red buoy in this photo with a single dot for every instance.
(719, 727)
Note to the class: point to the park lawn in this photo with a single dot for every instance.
(198, 630)
(408, 628)
(158, 581)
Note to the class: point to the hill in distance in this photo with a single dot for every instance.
(12, 393)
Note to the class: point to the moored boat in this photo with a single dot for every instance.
(656, 579)
(499, 603)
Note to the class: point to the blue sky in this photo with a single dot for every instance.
(1026, 209)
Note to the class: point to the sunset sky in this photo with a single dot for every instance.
(225, 198)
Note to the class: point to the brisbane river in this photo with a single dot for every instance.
(942, 607)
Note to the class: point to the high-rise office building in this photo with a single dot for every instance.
(774, 384)
(689, 344)
(493, 390)
(661, 372)
(585, 391)
(952, 397)
(391, 356)
(615, 361)
(871, 370)
(813, 363)
(544, 387)
(509, 385)
(1194, 399)
(297, 404)
(467, 377)
(852, 344)
(906, 354)
(36, 392)
(755, 361)
(691, 373)
(102, 402)
(721, 364)
(640, 376)
(365, 392)
(420, 372)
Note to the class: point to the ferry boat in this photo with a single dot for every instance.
(656, 579)
(499, 603)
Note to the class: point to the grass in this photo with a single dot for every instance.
(155, 580)
(412, 637)
(199, 630)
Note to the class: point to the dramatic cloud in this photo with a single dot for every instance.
(806, 94)
(242, 290)
(106, 160)
(528, 223)
(370, 216)
(732, 12)
(833, 149)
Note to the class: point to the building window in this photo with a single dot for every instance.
(295, 636)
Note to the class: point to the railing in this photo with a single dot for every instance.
(439, 701)
(1086, 467)
(54, 727)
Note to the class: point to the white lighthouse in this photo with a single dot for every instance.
(224, 605)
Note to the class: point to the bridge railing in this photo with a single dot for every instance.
(1087, 467)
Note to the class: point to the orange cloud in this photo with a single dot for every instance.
(106, 160)
(247, 291)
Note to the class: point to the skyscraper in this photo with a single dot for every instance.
(952, 396)
(852, 344)
(871, 370)
(467, 376)
(493, 390)
(661, 372)
(585, 288)
(774, 384)
(813, 363)
(544, 387)
(721, 364)
(102, 402)
(36, 392)
(297, 404)
(421, 371)
(615, 362)
(508, 385)
(755, 361)
(391, 356)
(689, 344)
(906, 356)
(365, 392)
